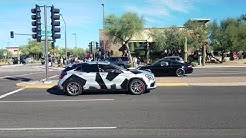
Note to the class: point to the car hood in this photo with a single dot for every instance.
(137, 71)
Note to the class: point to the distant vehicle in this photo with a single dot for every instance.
(120, 61)
(165, 67)
(101, 76)
(176, 58)
(15, 60)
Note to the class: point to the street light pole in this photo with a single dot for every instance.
(103, 17)
(104, 49)
(65, 37)
(75, 39)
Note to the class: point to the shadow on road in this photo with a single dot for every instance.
(18, 79)
(56, 91)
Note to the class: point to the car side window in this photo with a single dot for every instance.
(174, 63)
(90, 68)
(164, 63)
(106, 68)
(79, 68)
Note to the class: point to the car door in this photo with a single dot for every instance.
(111, 76)
(89, 73)
(161, 68)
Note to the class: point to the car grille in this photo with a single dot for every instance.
(152, 84)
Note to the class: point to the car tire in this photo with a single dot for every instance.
(137, 87)
(180, 72)
(73, 88)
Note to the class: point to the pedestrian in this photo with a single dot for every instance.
(135, 61)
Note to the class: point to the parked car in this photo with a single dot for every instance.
(164, 67)
(120, 61)
(101, 76)
(176, 58)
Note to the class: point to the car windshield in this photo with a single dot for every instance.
(156, 62)
(117, 67)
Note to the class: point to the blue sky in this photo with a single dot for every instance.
(84, 17)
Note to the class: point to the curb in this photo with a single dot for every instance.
(37, 86)
(172, 84)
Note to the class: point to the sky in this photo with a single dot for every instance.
(85, 17)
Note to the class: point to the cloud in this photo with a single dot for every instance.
(157, 11)
(183, 6)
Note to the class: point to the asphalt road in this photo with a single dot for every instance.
(165, 112)
(10, 75)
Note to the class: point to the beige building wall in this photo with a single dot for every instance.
(15, 51)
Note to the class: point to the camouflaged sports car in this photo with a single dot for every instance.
(104, 76)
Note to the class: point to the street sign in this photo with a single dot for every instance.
(43, 32)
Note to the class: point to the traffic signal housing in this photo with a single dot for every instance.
(90, 47)
(12, 34)
(55, 23)
(36, 23)
(97, 45)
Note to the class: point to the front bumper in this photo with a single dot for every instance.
(151, 85)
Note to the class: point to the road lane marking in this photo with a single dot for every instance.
(9, 93)
(21, 75)
(45, 101)
(57, 128)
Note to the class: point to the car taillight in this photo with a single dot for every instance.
(63, 74)
(190, 66)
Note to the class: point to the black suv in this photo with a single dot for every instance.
(120, 61)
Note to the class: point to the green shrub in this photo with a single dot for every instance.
(194, 63)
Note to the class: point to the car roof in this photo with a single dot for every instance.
(173, 57)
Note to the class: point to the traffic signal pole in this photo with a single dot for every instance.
(46, 43)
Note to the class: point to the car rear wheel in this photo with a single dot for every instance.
(73, 88)
(180, 72)
(137, 87)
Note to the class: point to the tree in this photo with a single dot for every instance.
(229, 35)
(33, 49)
(168, 39)
(122, 29)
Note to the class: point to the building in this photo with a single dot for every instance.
(139, 40)
(14, 50)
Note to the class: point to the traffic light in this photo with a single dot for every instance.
(52, 45)
(55, 23)
(90, 47)
(97, 46)
(12, 34)
(36, 23)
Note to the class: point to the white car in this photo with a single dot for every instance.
(104, 76)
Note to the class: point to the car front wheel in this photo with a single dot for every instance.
(137, 87)
(73, 88)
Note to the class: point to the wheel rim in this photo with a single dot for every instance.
(137, 87)
(180, 72)
(73, 88)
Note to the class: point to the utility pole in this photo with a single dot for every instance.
(185, 50)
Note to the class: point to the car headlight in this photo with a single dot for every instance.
(150, 77)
